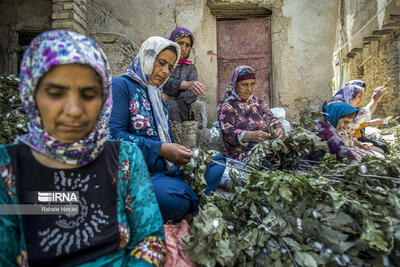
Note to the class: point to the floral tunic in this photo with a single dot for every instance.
(236, 118)
(138, 226)
(348, 138)
(137, 124)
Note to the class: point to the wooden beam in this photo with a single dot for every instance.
(380, 32)
(239, 13)
(236, 10)
(371, 38)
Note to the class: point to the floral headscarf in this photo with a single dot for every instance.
(237, 75)
(356, 82)
(49, 50)
(140, 71)
(181, 32)
(347, 93)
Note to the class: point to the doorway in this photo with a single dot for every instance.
(245, 42)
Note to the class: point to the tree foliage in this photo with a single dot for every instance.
(13, 118)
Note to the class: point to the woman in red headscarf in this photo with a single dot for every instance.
(244, 118)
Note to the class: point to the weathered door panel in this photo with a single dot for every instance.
(245, 42)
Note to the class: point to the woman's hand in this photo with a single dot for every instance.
(367, 146)
(166, 97)
(195, 86)
(256, 136)
(280, 133)
(175, 153)
(379, 93)
(376, 123)
(376, 98)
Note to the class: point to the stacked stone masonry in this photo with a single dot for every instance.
(70, 14)
(378, 65)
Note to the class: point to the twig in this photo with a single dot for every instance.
(290, 253)
(351, 182)
(380, 176)
(234, 167)
(369, 175)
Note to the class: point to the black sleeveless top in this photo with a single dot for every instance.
(69, 239)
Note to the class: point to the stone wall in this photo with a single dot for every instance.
(16, 19)
(70, 14)
(303, 37)
(118, 48)
(372, 50)
(302, 70)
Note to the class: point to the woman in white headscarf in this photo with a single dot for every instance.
(140, 116)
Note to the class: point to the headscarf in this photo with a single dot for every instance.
(180, 33)
(46, 51)
(356, 82)
(242, 72)
(140, 71)
(337, 110)
(347, 93)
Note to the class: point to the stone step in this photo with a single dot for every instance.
(380, 32)
(394, 17)
(394, 25)
(371, 38)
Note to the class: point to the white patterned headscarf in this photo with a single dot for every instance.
(140, 71)
(48, 50)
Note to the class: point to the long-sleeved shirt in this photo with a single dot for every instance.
(119, 222)
(183, 98)
(236, 118)
(132, 120)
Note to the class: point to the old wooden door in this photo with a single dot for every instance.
(245, 42)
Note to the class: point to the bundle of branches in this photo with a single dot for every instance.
(13, 116)
(332, 214)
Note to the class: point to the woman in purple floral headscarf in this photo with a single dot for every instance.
(65, 89)
(244, 118)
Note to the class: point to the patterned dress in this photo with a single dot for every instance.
(132, 120)
(335, 144)
(236, 118)
(348, 138)
(122, 229)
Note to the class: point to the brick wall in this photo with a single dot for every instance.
(70, 14)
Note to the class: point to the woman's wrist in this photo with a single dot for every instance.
(183, 85)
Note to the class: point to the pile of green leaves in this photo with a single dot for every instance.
(300, 143)
(393, 127)
(14, 120)
(195, 170)
(334, 214)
